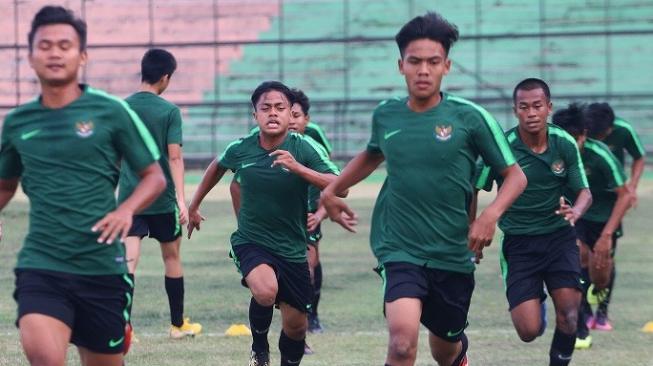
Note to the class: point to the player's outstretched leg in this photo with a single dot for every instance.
(566, 302)
(403, 318)
(293, 335)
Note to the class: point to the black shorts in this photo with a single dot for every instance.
(445, 295)
(93, 307)
(315, 236)
(589, 232)
(294, 280)
(163, 227)
(528, 261)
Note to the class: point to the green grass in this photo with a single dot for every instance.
(351, 307)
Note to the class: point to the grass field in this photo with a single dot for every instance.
(351, 306)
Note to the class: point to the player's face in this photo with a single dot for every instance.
(273, 113)
(55, 56)
(298, 120)
(532, 109)
(423, 65)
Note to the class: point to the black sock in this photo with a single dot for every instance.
(175, 291)
(585, 307)
(292, 351)
(260, 318)
(317, 287)
(130, 303)
(463, 351)
(603, 306)
(562, 347)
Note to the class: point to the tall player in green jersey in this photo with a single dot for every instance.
(598, 229)
(65, 146)
(539, 243)
(621, 138)
(276, 168)
(422, 237)
(163, 219)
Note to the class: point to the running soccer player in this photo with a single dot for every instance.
(597, 229)
(64, 147)
(163, 219)
(275, 167)
(421, 235)
(620, 137)
(539, 243)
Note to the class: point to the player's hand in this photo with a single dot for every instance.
(314, 219)
(602, 249)
(285, 160)
(481, 232)
(478, 255)
(632, 192)
(183, 212)
(339, 212)
(568, 212)
(194, 220)
(115, 224)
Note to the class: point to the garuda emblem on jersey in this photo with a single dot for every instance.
(84, 129)
(443, 133)
(558, 167)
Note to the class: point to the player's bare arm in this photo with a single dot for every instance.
(211, 177)
(575, 212)
(286, 160)
(176, 161)
(482, 229)
(636, 171)
(603, 245)
(7, 189)
(118, 222)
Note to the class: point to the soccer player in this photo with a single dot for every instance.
(620, 137)
(163, 219)
(597, 229)
(420, 234)
(539, 243)
(64, 147)
(275, 167)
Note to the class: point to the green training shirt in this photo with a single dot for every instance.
(163, 120)
(273, 205)
(68, 162)
(604, 173)
(549, 175)
(623, 137)
(421, 213)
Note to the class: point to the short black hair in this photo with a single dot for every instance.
(155, 64)
(571, 119)
(302, 99)
(430, 26)
(267, 86)
(600, 118)
(57, 15)
(531, 84)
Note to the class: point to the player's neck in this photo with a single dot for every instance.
(150, 88)
(538, 142)
(421, 105)
(269, 142)
(59, 96)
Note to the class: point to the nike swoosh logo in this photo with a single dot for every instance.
(113, 343)
(453, 334)
(387, 135)
(246, 165)
(29, 135)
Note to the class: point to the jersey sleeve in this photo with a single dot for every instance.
(10, 163)
(134, 141)
(316, 132)
(491, 142)
(483, 177)
(229, 158)
(315, 157)
(373, 145)
(576, 178)
(174, 127)
(633, 144)
(612, 169)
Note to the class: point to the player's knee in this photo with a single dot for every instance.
(528, 332)
(41, 357)
(402, 347)
(566, 320)
(265, 296)
(444, 357)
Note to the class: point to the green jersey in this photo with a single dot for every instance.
(421, 213)
(604, 173)
(163, 120)
(68, 162)
(623, 137)
(273, 204)
(550, 174)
